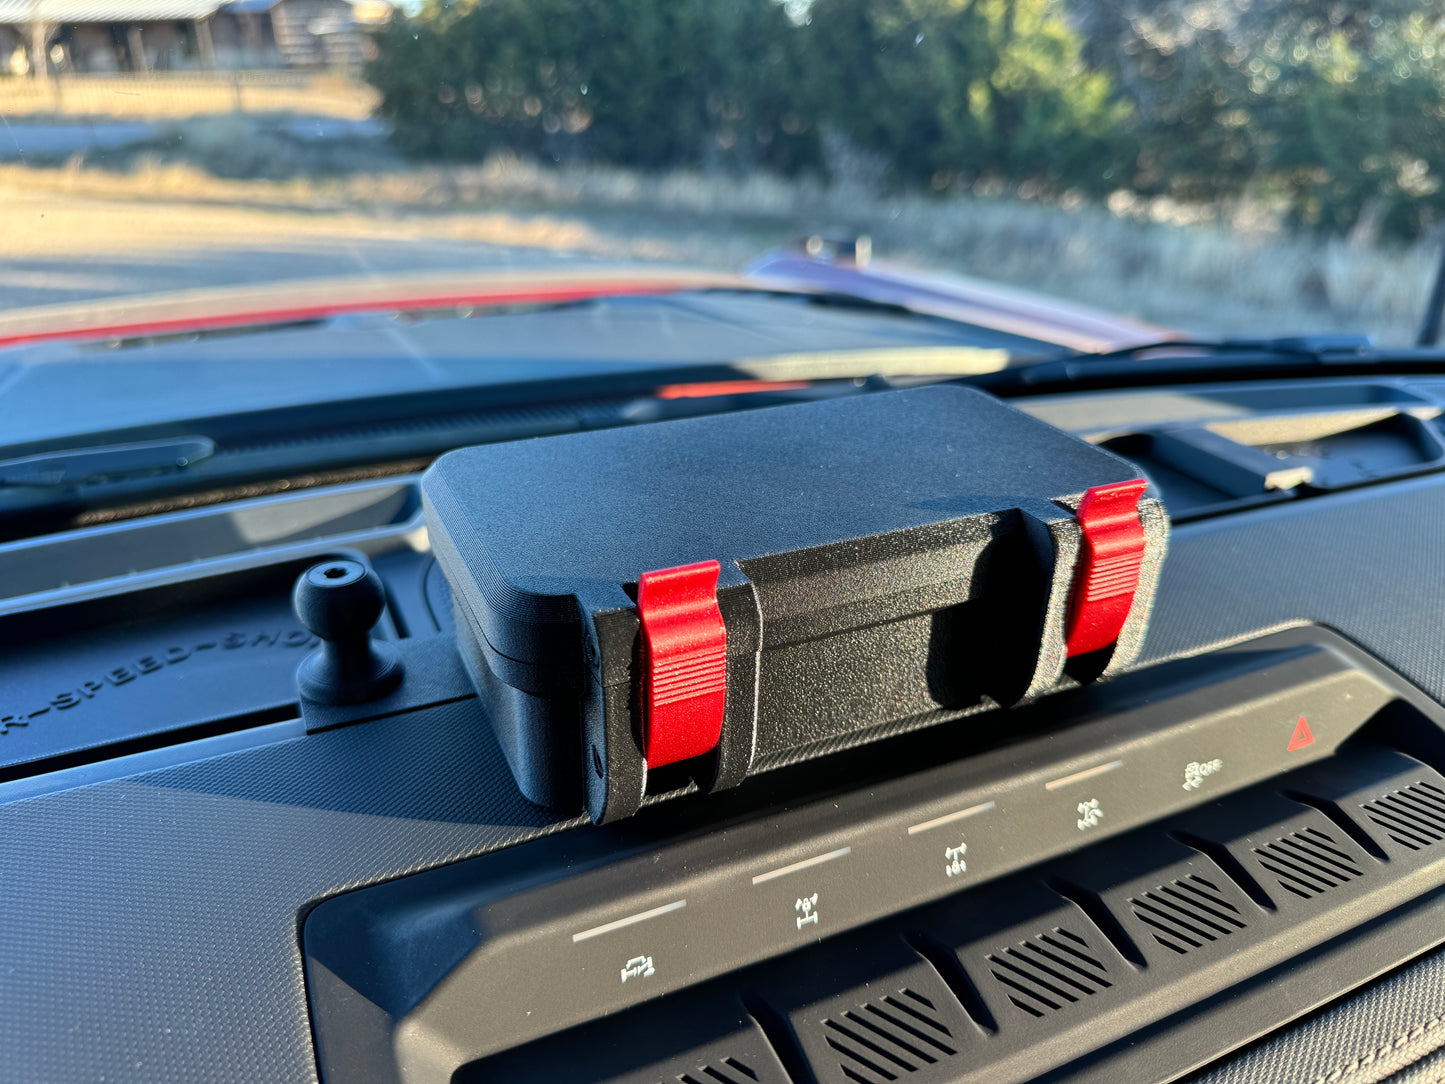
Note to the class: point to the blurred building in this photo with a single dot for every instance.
(296, 33)
(93, 36)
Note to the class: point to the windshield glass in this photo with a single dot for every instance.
(1186, 168)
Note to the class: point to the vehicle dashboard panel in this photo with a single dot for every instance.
(152, 904)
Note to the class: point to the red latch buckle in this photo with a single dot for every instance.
(684, 662)
(1109, 563)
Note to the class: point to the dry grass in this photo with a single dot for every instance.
(173, 95)
(1205, 276)
(154, 226)
(1154, 261)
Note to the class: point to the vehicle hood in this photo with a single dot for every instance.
(988, 306)
(960, 297)
(133, 368)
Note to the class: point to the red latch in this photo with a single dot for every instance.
(1109, 563)
(684, 662)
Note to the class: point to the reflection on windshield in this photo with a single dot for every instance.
(1204, 165)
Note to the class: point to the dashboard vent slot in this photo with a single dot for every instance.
(728, 1071)
(888, 1038)
(1049, 971)
(1308, 862)
(1229, 465)
(1186, 913)
(1413, 817)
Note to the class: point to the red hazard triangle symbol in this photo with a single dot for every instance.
(1302, 736)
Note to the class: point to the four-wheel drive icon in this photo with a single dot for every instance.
(808, 905)
(639, 967)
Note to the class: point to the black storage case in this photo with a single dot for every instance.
(887, 561)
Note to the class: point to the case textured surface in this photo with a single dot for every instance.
(883, 557)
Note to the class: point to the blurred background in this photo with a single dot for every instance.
(1220, 166)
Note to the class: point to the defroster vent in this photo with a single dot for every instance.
(890, 1037)
(1308, 862)
(727, 1071)
(1187, 913)
(1413, 817)
(1047, 972)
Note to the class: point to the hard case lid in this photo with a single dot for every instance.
(524, 529)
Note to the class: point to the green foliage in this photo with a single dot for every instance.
(953, 91)
(1335, 109)
(947, 91)
(1365, 145)
(1330, 109)
(638, 82)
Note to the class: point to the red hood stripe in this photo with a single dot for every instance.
(284, 314)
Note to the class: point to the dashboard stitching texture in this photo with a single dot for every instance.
(1365, 1061)
(1317, 1045)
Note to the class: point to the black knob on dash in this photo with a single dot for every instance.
(340, 601)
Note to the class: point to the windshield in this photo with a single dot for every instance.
(1061, 174)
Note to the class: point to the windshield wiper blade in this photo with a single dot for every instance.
(87, 466)
(1183, 362)
(1320, 347)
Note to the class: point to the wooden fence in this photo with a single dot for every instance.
(187, 93)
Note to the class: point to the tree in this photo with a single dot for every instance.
(956, 90)
(1333, 107)
(630, 81)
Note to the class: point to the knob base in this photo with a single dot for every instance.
(321, 679)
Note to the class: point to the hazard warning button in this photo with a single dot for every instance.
(1301, 737)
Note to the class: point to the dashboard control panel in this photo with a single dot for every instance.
(1241, 787)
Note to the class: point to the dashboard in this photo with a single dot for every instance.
(1225, 864)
